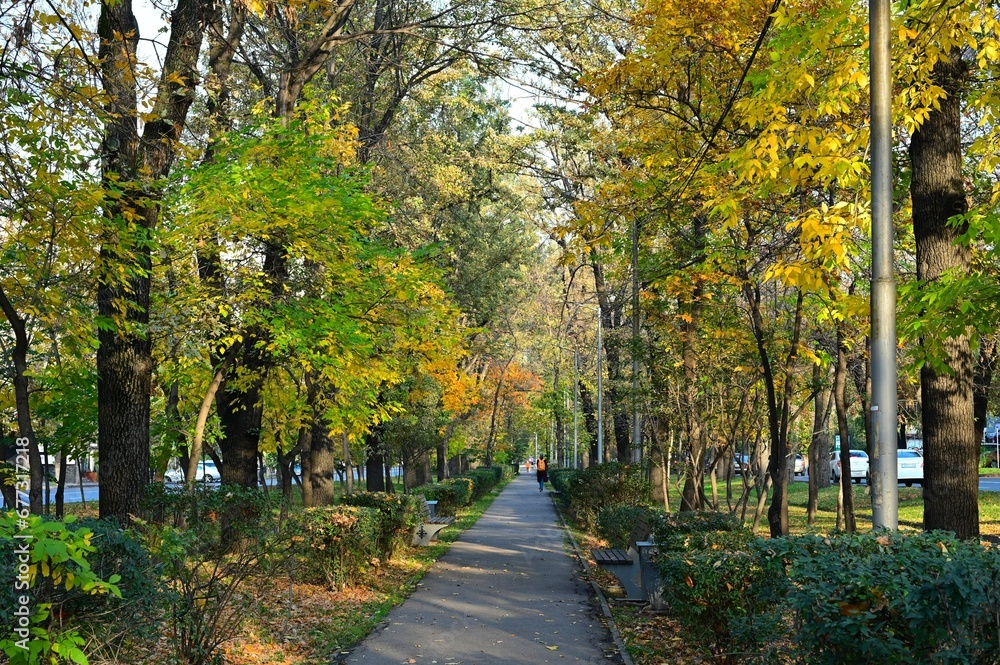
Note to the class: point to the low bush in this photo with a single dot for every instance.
(218, 516)
(886, 597)
(45, 562)
(398, 517)
(560, 479)
(484, 479)
(604, 485)
(332, 544)
(207, 602)
(726, 600)
(615, 523)
(698, 530)
(717, 585)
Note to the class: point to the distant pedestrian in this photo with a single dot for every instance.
(530, 463)
(542, 473)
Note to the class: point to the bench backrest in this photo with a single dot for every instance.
(640, 531)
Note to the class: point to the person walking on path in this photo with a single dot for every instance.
(543, 473)
(505, 593)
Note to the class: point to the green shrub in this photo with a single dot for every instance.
(332, 544)
(684, 531)
(217, 515)
(716, 583)
(207, 601)
(398, 517)
(560, 479)
(603, 485)
(615, 523)
(462, 487)
(483, 480)
(729, 601)
(44, 561)
(886, 597)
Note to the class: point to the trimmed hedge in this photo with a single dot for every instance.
(560, 479)
(332, 544)
(603, 485)
(880, 597)
(615, 523)
(398, 517)
(886, 597)
(720, 590)
(461, 490)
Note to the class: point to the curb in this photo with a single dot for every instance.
(605, 608)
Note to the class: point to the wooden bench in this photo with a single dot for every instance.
(428, 527)
(625, 564)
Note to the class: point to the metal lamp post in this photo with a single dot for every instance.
(884, 490)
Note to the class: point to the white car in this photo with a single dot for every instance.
(801, 465)
(909, 467)
(859, 466)
(207, 471)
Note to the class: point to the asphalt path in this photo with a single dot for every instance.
(509, 592)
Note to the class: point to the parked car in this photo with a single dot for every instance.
(909, 467)
(801, 465)
(207, 472)
(741, 462)
(859, 466)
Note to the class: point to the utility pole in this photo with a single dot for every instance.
(884, 489)
(576, 409)
(636, 423)
(600, 392)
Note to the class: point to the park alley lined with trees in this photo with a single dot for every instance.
(330, 238)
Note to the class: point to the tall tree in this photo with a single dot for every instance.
(132, 167)
(937, 190)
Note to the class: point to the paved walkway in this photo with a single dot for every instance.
(508, 591)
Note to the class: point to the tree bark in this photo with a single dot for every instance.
(25, 430)
(951, 452)
(840, 398)
(819, 446)
(130, 170)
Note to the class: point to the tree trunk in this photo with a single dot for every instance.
(951, 452)
(693, 495)
(25, 430)
(323, 457)
(374, 480)
(819, 446)
(129, 167)
(839, 388)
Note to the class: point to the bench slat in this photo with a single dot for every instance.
(612, 557)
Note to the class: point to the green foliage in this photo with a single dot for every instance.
(680, 532)
(331, 544)
(615, 523)
(483, 480)
(716, 584)
(138, 612)
(207, 510)
(560, 479)
(887, 597)
(603, 485)
(451, 494)
(725, 598)
(42, 560)
(398, 517)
